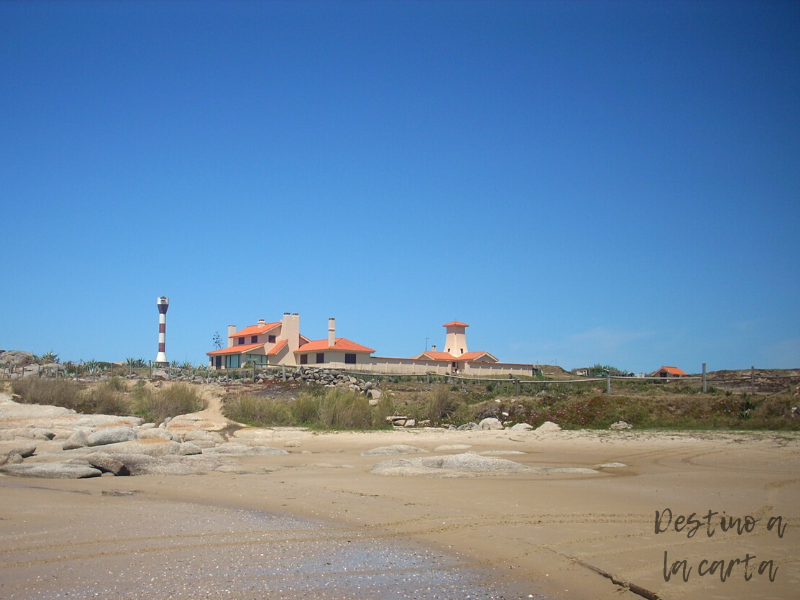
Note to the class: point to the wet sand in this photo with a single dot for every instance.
(329, 528)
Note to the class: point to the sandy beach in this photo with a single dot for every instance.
(589, 533)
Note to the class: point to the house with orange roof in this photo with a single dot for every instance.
(260, 344)
(333, 350)
(280, 343)
(669, 372)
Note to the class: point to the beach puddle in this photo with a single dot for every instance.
(157, 549)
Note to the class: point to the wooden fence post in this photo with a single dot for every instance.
(752, 380)
(705, 387)
(516, 387)
(608, 382)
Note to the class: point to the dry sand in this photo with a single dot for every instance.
(291, 526)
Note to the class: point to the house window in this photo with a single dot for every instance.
(320, 357)
(241, 341)
(350, 359)
(253, 339)
(304, 359)
(271, 339)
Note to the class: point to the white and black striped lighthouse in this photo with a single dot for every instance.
(163, 306)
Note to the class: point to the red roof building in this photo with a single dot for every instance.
(669, 372)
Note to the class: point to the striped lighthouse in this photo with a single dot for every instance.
(163, 306)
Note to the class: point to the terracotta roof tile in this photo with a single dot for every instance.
(672, 370)
(455, 324)
(341, 344)
(255, 329)
(235, 349)
(277, 347)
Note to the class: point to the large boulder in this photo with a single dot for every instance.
(490, 423)
(111, 435)
(547, 427)
(150, 447)
(16, 358)
(106, 463)
(78, 439)
(24, 451)
(522, 427)
(53, 470)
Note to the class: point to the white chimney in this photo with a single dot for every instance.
(261, 322)
(433, 348)
(331, 332)
(231, 331)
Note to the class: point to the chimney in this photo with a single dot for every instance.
(331, 332)
(231, 331)
(433, 348)
(261, 322)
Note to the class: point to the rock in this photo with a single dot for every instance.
(374, 394)
(548, 426)
(456, 465)
(140, 464)
(266, 451)
(202, 444)
(490, 423)
(234, 449)
(189, 449)
(522, 427)
(53, 470)
(621, 425)
(24, 451)
(106, 463)
(410, 423)
(147, 426)
(373, 402)
(613, 465)
(111, 435)
(152, 434)
(192, 436)
(39, 433)
(78, 439)
(452, 447)
(16, 358)
(292, 444)
(13, 459)
(468, 427)
(395, 449)
(150, 447)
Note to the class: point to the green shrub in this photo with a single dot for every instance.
(306, 409)
(55, 392)
(155, 406)
(441, 404)
(260, 412)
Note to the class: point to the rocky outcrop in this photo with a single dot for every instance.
(395, 449)
(52, 470)
(111, 435)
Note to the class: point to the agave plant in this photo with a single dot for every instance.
(49, 357)
(92, 367)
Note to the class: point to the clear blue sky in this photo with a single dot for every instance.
(581, 182)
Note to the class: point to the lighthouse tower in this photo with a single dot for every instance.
(163, 306)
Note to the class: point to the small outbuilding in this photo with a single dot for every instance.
(669, 372)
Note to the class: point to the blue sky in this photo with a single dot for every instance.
(581, 182)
